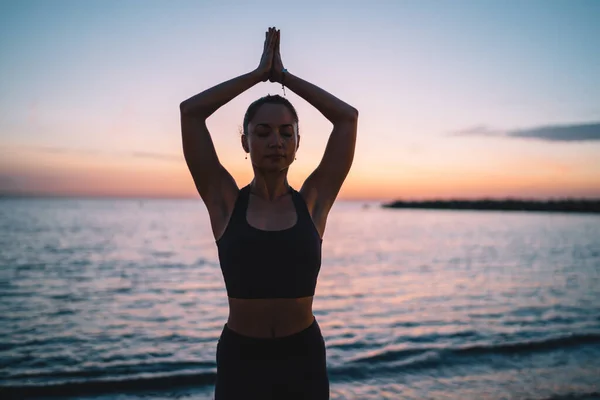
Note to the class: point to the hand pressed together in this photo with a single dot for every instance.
(277, 67)
(266, 61)
(270, 67)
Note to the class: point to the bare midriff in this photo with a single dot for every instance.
(269, 318)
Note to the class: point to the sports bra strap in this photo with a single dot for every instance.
(241, 204)
(301, 208)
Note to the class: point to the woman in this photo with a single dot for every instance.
(268, 234)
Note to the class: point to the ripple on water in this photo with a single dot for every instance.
(412, 304)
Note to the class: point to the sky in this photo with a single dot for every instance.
(461, 99)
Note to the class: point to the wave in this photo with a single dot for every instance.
(577, 396)
(390, 361)
(147, 383)
(431, 357)
(531, 346)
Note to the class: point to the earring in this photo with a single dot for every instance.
(246, 156)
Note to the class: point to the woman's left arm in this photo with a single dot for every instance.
(323, 185)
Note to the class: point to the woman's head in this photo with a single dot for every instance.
(270, 132)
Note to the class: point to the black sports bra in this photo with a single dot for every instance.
(259, 264)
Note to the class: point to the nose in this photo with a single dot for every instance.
(276, 140)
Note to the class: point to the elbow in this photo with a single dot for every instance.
(184, 107)
(349, 115)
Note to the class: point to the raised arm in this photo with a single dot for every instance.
(215, 185)
(322, 187)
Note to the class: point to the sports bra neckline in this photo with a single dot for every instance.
(246, 203)
(240, 208)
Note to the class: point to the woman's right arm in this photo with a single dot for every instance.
(215, 185)
(210, 177)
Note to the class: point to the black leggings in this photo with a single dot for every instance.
(290, 367)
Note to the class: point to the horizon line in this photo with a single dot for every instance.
(26, 195)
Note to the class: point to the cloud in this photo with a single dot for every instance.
(136, 154)
(62, 150)
(157, 156)
(567, 133)
(552, 133)
(479, 130)
(8, 183)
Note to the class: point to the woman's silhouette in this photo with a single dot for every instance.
(268, 234)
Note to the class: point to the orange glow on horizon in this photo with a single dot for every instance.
(177, 183)
(73, 174)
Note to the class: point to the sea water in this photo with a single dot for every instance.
(124, 299)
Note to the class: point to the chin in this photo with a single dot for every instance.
(275, 166)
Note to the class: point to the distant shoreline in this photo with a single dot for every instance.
(570, 205)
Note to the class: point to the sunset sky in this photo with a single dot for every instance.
(457, 99)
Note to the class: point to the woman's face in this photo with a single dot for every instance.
(272, 138)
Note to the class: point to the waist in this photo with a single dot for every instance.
(304, 343)
(269, 318)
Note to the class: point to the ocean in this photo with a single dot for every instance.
(124, 299)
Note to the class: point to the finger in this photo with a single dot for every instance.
(272, 40)
(268, 38)
(278, 39)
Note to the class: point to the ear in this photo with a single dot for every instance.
(244, 140)
(297, 142)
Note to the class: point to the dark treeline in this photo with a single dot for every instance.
(567, 205)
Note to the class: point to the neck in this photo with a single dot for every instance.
(270, 186)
